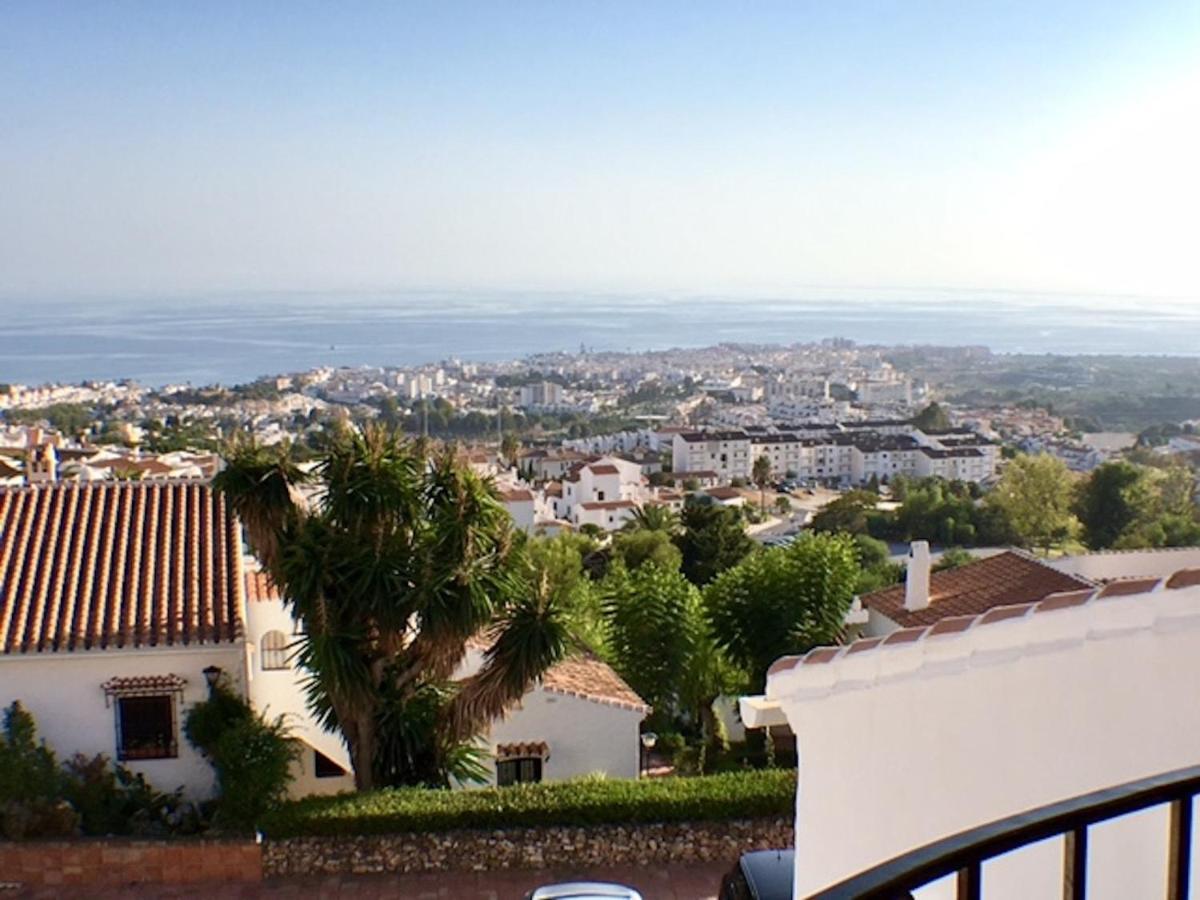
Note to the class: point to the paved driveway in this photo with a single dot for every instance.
(693, 881)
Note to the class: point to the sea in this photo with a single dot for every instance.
(232, 339)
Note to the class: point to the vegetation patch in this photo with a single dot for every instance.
(740, 795)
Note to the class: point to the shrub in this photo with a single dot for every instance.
(31, 803)
(573, 803)
(110, 799)
(251, 756)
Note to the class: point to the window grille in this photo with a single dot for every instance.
(146, 727)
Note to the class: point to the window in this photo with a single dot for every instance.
(146, 727)
(324, 767)
(274, 650)
(523, 770)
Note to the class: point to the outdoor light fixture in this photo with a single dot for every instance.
(649, 739)
(212, 674)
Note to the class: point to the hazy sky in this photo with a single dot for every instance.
(646, 146)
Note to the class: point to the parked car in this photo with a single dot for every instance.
(584, 890)
(760, 875)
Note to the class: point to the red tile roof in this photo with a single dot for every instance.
(608, 504)
(605, 470)
(587, 676)
(117, 565)
(1002, 580)
(260, 588)
(516, 495)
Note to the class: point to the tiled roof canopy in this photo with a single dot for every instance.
(976, 587)
(117, 565)
(590, 678)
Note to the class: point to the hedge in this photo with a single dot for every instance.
(734, 795)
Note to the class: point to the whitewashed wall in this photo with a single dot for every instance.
(63, 692)
(911, 743)
(277, 692)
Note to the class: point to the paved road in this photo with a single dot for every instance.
(691, 881)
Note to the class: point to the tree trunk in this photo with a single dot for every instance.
(362, 751)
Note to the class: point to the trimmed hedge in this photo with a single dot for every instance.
(734, 795)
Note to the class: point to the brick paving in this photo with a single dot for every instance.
(691, 881)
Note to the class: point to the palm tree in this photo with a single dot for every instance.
(397, 559)
(761, 475)
(654, 517)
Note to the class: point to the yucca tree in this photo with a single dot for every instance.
(392, 560)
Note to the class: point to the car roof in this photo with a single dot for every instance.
(769, 873)
(584, 890)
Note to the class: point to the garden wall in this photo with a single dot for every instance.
(529, 848)
(115, 862)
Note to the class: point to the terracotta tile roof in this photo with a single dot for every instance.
(581, 674)
(604, 470)
(7, 471)
(1002, 580)
(260, 588)
(124, 564)
(587, 676)
(516, 495)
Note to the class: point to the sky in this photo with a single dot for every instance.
(743, 148)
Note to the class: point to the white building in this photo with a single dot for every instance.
(847, 454)
(604, 492)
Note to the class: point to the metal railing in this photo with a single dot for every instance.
(966, 852)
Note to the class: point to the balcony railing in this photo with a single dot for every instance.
(966, 852)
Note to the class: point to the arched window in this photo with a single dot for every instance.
(274, 650)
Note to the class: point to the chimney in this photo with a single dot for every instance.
(916, 580)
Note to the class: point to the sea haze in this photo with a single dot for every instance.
(236, 339)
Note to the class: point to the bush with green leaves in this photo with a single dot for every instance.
(783, 600)
(88, 795)
(251, 755)
(31, 782)
(588, 801)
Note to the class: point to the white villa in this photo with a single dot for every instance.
(118, 600)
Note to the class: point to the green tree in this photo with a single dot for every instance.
(1035, 496)
(655, 624)
(654, 517)
(713, 539)
(510, 448)
(556, 568)
(760, 474)
(783, 600)
(848, 513)
(396, 564)
(1115, 498)
(932, 418)
(635, 548)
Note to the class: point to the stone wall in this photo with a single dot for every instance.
(530, 848)
(115, 862)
